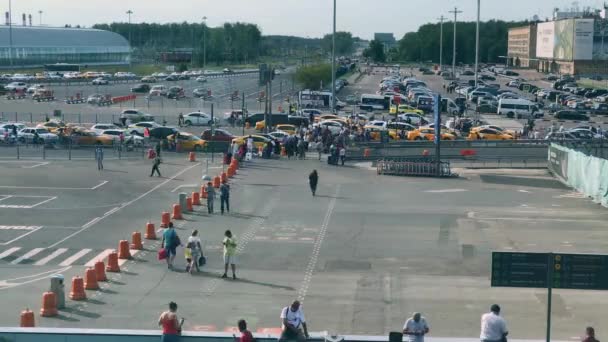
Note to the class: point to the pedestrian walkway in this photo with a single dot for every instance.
(41, 256)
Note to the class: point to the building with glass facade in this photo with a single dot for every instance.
(35, 46)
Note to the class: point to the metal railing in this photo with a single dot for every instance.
(414, 167)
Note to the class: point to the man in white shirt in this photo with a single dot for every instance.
(416, 327)
(250, 144)
(493, 327)
(294, 323)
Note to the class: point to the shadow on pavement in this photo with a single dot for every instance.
(81, 313)
(274, 286)
(524, 181)
(120, 171)
(245, 216)
(328, 196)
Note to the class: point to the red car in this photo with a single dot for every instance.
(218, 135)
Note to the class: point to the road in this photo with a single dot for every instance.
(362, 255)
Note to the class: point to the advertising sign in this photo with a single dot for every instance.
(545, 38)
(564, 39)
(583, 39)
(558, 162)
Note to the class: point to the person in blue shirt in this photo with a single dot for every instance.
(99, 157)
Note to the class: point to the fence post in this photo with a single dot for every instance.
(18, 156)
(31, 121)
(43, 151)
(79, 118)
(16, 119)
(96, 117)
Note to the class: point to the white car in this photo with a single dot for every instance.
(99, 128)
(334, 126)
(8, 127)
(158, 90)
(138, 128)
(22, 77)
(100, 81)
(280, 135)
(14, 86)
(32, 89)
(198, 119)
(377, 123)
(115, 134)
(201, 79)
(26, 135)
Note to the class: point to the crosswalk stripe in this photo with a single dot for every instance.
(70, 260)
(100, 257)
(50, 257)
(9, 252)
(27, 255)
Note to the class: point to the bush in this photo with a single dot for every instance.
(311, 76)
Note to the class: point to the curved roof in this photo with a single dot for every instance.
(37, 36)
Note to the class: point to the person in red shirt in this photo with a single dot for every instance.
(246, 335)
(590, 335)
(170, 324)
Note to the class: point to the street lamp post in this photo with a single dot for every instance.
(10, 34)
(40, 16)
(477, 44)
(204, 42)
(455, 11)
(129, 12)
(333, 64)
(441, 19)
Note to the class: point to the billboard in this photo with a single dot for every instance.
(564, 39)
(583, 39)
(545, 37)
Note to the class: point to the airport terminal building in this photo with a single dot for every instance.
(34, 46)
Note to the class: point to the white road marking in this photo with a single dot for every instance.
(111, 211)
(39, 203)
(5, 197)
(90, 223)
(122, 261)
(50, 257)
(100, 257)
(184, 186)
(9, 252)
(124, 205)
(18, 227)
(522, 190)
(446, 190)
(21, 236)
(70, 260)
(471, 214)
(27, 255)
(312, 263)
(98, 185)
(36, 165)
(4, 284)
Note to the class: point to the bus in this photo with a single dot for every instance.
(374, 102)
(518, 108)
(317, 99)
(62, 67)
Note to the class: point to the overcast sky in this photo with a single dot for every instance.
(311, 18)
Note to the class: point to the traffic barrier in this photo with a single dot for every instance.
(216, 182)
(90, 279)
(260, 150)
(192, 157)
(123, 250)
(203, 191)
(49, 304)
(150, 231)
(118, 99)
(223, 177)
(189, 204)
(283, 151)
(414, 167)
(26, 319)
(425, 153)
(165, 219)
(366, 153)
(467, 152)
(113, 262)
(196, 198)
(100, 271)
(177, 212)
(230, 172)
(77, 292)
(234, 163)
(136, 241)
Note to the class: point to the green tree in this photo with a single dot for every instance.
(375, 51)
(311, 76)
(344, 43)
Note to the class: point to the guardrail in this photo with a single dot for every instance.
(455, 143)
(414, 167)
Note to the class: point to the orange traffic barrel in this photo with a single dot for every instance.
(26, 319)
(196, 198)
(49, 304)
(192, 156)
(151, 231)
(100, 271)
(136, 241)
(177, 212)
(77, 292)
(165, 218)
(216, 182)
(90, 279)
(204, 191)
(113, 262)
(123, 250)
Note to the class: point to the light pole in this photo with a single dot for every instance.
(441, 19)
(40, 16)
(204, 42)
(333, 64)
(455, 11)
(129, 12)
(477, 43)
(10, 34)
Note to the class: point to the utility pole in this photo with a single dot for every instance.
(477, 44)
(40, 15)
(441, 19)
(10, 33)
(455, 11)
(129, 12)
(333, 64)
(204, 42)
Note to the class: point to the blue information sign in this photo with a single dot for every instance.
(437, 117)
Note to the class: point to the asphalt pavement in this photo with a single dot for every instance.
(362, 255)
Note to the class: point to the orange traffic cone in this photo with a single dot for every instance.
(224, 177)
(90, 279)
(26, 320)
(196, 198)
(123, 250)
(177, 212)
(150, 231)
(113, 262)
(234, 163)
(165, 219)
(203, 191)
(192, 157)
(136, 241)
(49, 304)
(100, 271)
(230, 172)
(216, 182)
(189, 204)
(77, 292)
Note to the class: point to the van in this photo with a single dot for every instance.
(449, 106)
(518, 108)
(425, 103)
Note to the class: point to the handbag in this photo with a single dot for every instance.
(162, 254)
(202, 261)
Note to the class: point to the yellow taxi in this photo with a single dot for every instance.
(52, 125)
(289, 129)
(488, 134)
(403, 108)
(395, 128)
(494, 127)
(258, 140)
(428, 133)
(188, 142)
(82, 136)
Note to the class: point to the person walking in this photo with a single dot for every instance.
(170, 242)
(224, 196)
(342, 154)
(229, 243)
(180, 119)
(246, 335)
(157, 149)
(210, 197)
(99, 157)
(170, 324)
(155, 165)
(313, 180)
(193, 252)
(493, 327)
(293, 323)
(416, 327)
(589, 335)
